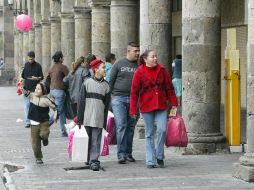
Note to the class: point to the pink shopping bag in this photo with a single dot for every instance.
(104, 143)
(176, 134)
(70, 141)
(111, 128)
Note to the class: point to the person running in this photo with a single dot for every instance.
(38, 114)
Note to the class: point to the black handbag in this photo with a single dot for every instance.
(68, 110)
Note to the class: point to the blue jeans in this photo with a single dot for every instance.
(125, 125)
(59, 96)
(158, 118)
(26, 104)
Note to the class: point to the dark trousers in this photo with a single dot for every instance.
(94, 134)
(39, 132)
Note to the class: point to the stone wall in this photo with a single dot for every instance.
(233, 13)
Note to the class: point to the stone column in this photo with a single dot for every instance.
(123, 25)
(156, 28)
(31, 40)
(67, 32)
(201, 74)
(37, 31)
(55, 27)
(25, 46)
(38, 42)
(245, 169)
(30, 7)
(100, 28)
(82, 31)
(46, 46)
(16, 54)
(46, 41)
(20, 56)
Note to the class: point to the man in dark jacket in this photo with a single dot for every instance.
(32, 75)
(120, 84)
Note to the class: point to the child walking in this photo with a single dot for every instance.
(39, 116)
(93, 109)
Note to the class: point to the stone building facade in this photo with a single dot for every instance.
(193, 28)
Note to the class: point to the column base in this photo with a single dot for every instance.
(140, 129)
(206, 144)
(242, 172)
(205, 148)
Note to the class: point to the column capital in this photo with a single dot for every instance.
(81, 12)
(99, 3)
(79, 9)
(123, 3)
(37, 25)
(68, 15)
(45, 23)
(55, 19)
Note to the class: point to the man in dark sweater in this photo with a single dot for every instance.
(32, 75)
(120, 85)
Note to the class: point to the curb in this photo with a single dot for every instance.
(5, 170)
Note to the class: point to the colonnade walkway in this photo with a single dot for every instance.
(182, 172)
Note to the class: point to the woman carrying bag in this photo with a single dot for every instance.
(152, 94)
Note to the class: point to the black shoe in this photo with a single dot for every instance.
(130, 158)
(45, 142)
(27, 126)
(122, 161)
(160, 163)
(39, 161)
(95, 167)
(151, 166)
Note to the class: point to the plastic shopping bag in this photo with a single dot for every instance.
(111, 128)
(70, 141)
(104, 143)
(80, 145)
(176, 134)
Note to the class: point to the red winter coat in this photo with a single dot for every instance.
(147, 95)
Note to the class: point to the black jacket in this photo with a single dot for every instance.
(31, 69)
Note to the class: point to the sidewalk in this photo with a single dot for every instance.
(202, 172)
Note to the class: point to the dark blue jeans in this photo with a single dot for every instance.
(125, 125)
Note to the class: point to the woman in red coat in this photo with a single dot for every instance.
(152, 94)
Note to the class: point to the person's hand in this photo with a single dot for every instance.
(134, 116)
(173, 111)
(55, 120)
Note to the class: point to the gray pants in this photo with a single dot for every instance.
(94, 134)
